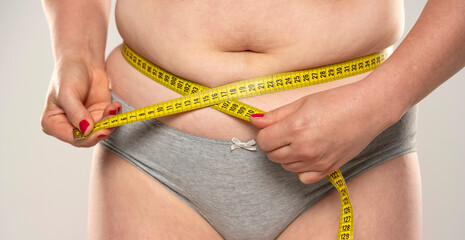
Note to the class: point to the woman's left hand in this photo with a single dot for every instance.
(319, 133)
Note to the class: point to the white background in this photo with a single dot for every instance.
(44, 182)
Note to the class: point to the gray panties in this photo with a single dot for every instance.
(240, 193)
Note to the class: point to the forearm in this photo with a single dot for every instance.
(432, 52)
(78, 28)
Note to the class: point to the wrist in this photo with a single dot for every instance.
(383, 98)
(79, 52)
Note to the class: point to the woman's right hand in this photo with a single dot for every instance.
(78, 96)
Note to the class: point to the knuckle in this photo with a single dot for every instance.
(272, 158)
(47, 126)
(308, 178)
(320, 165)
(304, 178)
(318, 158)
(62, 92)
(277, 156)
(306, 153)
(290, 167)
(299, 125)
(46, 131)
(260, 140)
(43, 124)
(73, 116)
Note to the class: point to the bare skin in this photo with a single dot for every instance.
(214, 43)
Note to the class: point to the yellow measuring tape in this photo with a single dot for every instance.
(223, 98)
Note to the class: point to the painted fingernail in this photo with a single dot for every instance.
(101, 136)
(257, 115)
(119, 109)
(113, 112)
(83, 125)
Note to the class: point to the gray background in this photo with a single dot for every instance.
(44, 183)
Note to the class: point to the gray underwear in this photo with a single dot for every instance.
(240, 193)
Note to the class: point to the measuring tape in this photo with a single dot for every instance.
(223, 98)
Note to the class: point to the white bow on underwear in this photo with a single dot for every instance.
(245, 145)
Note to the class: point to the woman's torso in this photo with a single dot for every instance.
(218, 42)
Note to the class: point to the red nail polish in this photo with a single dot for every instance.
(113, 112)
(257, 115)
(83, 125)
(101, 136)
(119, 109)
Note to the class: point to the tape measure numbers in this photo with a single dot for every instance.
(223, 98)
(198, 96)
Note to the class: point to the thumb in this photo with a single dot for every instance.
(77, 114)
(263, 120)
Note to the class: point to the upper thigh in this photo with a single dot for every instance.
(126, 203)
(386, 202)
